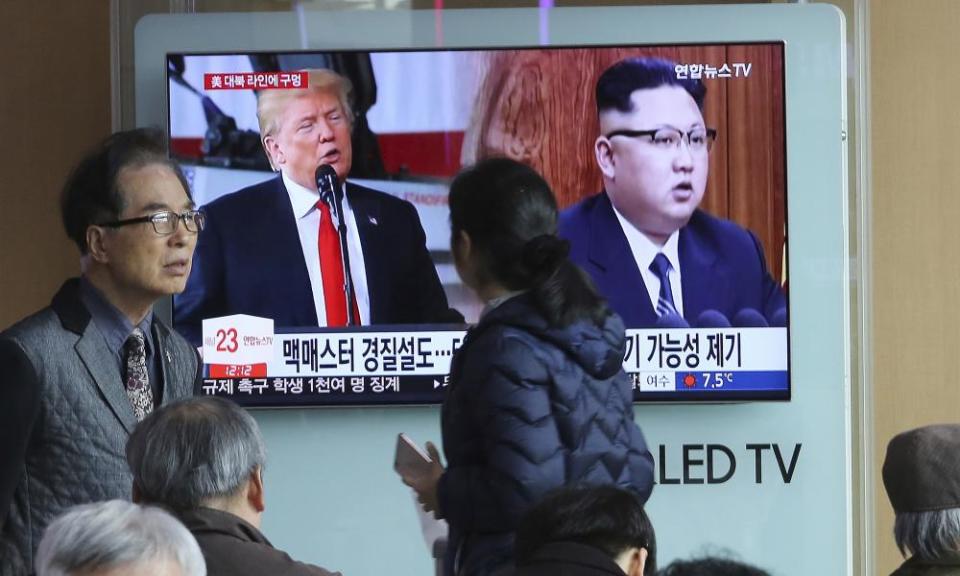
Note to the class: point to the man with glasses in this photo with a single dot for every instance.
(657, 258)
(78, 376)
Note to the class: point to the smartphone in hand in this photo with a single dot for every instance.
(410, 460)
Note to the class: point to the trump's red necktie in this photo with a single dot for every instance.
(331, 270)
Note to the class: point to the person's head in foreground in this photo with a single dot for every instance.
(921, 473)
(503, 220)
(588, 530)
(711, 566)
(117, 538)
(200, 452)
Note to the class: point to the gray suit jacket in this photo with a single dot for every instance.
(65, 416)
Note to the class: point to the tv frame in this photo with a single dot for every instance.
(423, 393)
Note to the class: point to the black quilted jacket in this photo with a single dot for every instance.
(531, 408)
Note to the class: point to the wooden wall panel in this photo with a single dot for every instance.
(54, 104)
(757, 180)
(915, 179)
(716, 199)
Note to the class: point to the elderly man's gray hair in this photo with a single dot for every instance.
(931, 535)
(117, 535)
(191, 452)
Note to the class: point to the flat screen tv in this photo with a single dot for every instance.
(419, 116)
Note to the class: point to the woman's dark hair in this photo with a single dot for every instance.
(510, 214)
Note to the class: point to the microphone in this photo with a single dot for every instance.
(712, 319)
(329, 187)
(750, 318)
(671, 320)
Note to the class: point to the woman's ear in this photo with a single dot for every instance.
(633, 561)
(462, 245)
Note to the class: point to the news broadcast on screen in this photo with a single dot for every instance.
(706, 128)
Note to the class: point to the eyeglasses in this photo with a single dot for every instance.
(698, 139)
(166, 223)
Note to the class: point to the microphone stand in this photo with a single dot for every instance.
(332, 194)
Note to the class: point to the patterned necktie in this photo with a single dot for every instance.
(661, 267)
(136, 378)
(331, 270)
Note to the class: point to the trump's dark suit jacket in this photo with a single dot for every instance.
(249, 261)
(722, 265)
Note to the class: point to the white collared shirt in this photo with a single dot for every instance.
(304, 203)
(644, 251)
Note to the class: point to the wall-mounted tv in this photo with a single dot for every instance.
(704, 148)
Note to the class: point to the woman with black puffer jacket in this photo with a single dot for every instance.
(537, 398)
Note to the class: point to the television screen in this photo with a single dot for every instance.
(668, 164)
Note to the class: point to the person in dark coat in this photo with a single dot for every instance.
(595, 531)
(921, 473)
(203, 460)
(537, 398)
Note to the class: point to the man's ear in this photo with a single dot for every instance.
(96, 244)
(273, 151)
(636, 561)
(255, 490)
(603, 150)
